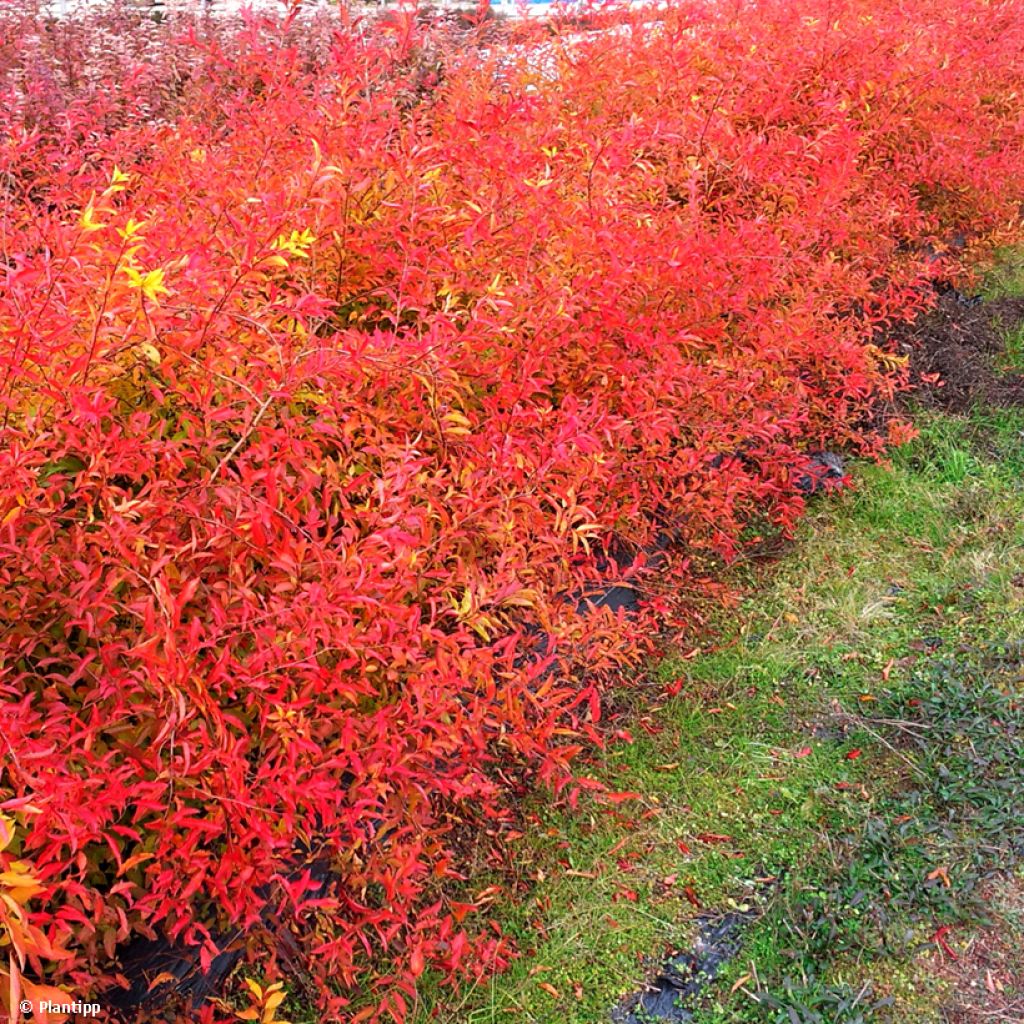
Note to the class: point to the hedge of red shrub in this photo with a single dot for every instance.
(330, 361)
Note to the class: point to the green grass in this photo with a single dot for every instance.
(1005, 279)
(1013, 357)
(902, 586)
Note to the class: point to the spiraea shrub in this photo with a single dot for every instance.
(334, 357)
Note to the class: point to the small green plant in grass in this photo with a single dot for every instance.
(1013, 357)
(1006, 278)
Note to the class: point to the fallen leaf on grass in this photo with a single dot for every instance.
(619, 798)
(618, 846)
(939, 938)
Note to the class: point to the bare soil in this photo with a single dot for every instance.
(955, 351)
(986, 978)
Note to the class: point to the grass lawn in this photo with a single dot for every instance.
(842, 759)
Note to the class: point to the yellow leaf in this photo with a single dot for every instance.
(297, 243)
(520, 599)
(130, 229)
(273, 1000)
(118, 182)
(150, 283)
(456, 423)
(6, 824)
(87, 221)
(151, 352)
(23, 893)
(18, 879)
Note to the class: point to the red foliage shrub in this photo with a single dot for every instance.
(328, 359)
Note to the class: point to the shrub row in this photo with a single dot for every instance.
(331, 363)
